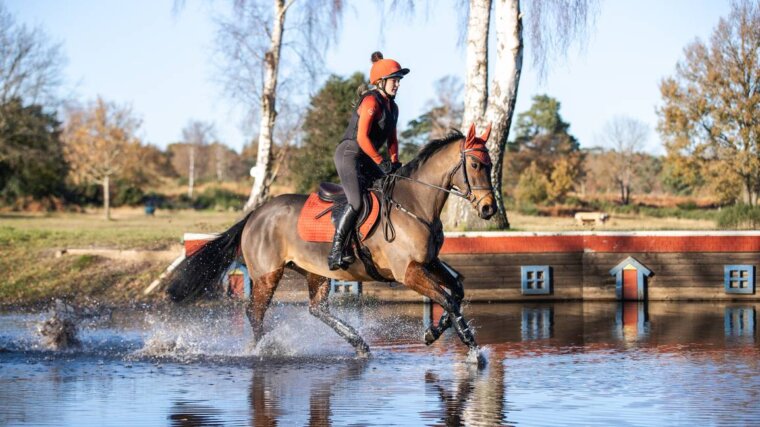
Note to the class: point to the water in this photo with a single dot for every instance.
(549, 364)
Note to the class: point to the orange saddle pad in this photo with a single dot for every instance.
(313, 229)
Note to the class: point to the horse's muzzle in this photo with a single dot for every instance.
(487, 210)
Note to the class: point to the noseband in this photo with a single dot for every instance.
(469, 195)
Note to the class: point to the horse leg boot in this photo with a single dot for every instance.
(421, 280)
(319, 289)
(346, 223)
(261, 296)
(455, 289)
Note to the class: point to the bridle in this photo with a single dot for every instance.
(469, 195)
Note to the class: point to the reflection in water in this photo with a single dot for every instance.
(472, 398)
(739, 323)
(537, 323)
(194, 414)
(591, 363)
(632, 321)
(276, 393)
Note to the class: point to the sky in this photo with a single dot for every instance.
(163, 63)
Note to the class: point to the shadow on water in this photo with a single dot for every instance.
(592, 363)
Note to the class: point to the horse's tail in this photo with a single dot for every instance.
(203, 270)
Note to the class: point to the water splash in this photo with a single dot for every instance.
(59, 331)
(478, 357)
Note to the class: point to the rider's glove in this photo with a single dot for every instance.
(395, 166)
(386, 166)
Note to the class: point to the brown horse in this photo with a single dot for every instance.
(268, 240)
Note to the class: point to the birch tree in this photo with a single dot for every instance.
(195, 135)
(252, 43)
(98, 143)
(552, 26)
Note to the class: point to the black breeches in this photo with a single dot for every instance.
(356, 171)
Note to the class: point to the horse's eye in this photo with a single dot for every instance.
(474, 165)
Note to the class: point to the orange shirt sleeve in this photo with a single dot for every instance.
(393, 147)
(367, 112)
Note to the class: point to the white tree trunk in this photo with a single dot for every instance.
(191, 171)
(476, 79)
(219, 163)
(499, 99)
(475, 92)
(263, 169)
(107, 196)
(503, 95)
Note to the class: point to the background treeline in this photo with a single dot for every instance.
(58, 153)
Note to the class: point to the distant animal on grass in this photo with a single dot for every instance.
(591, 218)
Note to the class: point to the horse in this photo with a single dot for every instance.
(406, 252)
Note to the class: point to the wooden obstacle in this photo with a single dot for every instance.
(669, 265)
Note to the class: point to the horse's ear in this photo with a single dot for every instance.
(486, 133)
(471, 132)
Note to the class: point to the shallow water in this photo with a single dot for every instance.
(549, 364)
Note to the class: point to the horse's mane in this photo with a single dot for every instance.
(428, 150)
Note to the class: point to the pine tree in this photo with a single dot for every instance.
(327, 116)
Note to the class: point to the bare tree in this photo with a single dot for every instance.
(626, 137)
(446, 109)
(552, 26)
(196, 134)
(31, 67)
(252, 42)
(99, 143)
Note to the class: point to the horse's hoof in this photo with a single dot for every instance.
(363, 353)
(430, 336)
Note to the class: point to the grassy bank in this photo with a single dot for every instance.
(32, 274)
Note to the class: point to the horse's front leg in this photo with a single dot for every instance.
(454, 287)
(420, 279)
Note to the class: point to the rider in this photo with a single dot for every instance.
(357, 158)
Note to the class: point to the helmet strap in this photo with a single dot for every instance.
(381, 88)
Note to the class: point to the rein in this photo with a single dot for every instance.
(389, 183)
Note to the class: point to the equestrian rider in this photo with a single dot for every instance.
(357, 159)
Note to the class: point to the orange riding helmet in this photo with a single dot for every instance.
(385, 69)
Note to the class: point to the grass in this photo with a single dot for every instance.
(32, 274)
(617, 222)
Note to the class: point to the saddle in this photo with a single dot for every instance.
(314, 225)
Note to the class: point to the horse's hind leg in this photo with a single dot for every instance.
(319, 289)
(261, 296)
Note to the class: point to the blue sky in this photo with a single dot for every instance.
(140, 52)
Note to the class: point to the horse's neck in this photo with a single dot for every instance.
(428, 202)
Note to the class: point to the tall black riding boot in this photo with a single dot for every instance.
(343, 230)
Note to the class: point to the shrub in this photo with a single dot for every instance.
(740, 216)
(127, 195)
(532, 187)
(219, 199)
